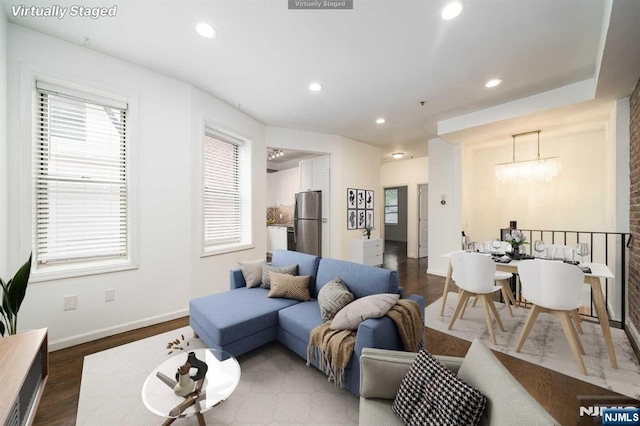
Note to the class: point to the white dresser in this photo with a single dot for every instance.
(368, 252)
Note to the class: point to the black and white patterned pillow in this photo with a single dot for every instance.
(430, 394)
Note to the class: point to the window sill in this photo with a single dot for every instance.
(225, 249)
(50, 273)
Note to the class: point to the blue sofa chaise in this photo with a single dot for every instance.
(243, 319)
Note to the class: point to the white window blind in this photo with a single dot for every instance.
(80, 175)
(222, 198)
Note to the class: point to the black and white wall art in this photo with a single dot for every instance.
(361, 199)
(360, 205)
(352, 195)
(369, 218)
(368, 199)
(352, 219)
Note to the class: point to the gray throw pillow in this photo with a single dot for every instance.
(332, 297)
(374, 306)
(252, 271)
(266, 280)
(431, 394)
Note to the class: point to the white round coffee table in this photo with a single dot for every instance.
(223, 375)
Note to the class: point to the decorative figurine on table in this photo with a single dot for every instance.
(200, 366)
(193, 362)
(185, 383)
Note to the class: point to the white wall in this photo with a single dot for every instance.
(4, 272)
(618, 140)
(445, 221)
(574, 200)
(412, 172)
(163, 117)
(359, 166)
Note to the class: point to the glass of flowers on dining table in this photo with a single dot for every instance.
(517, 239)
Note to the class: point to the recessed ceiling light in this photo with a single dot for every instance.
(493, 83)
(315, 87)
(451, 10)
(397, 155)
(206, 30)
(380, 120)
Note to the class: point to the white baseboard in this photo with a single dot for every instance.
(110, 331)
(435, 272)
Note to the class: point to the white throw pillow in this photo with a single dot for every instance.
(374, 306)
(252, 271)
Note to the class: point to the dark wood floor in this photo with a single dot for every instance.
(555, 391)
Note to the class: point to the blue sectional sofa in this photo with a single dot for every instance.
(244, 319)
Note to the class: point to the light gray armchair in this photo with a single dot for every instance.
(508, 403)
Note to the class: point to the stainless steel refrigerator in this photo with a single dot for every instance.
(307, 222)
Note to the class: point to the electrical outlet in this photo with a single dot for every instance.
(70, 303)
(110, 295)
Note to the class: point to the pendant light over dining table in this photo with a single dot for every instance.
(540, 169)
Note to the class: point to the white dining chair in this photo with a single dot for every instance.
(475, 275)
(554, 288)
(501, 278)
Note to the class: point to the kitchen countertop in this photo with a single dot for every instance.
(282, 225)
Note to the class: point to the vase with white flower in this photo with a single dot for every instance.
(516, 239)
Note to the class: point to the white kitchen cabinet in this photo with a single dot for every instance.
(276, 238)
(291, 186)
(311, 173)
(306, 175)
(282, 187)
(367, 252)
(271, 189)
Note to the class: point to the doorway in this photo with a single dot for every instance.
(423, 215)
(395, 220)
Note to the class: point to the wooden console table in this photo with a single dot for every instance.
(24, 368)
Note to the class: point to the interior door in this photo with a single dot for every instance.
(422, 221)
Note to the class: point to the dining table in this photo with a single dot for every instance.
(593, 278)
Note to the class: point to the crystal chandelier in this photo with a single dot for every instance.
(540, 169)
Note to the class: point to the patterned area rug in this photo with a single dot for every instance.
(276, 387)
(546, 344)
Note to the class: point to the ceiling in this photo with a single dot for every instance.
(381, 59)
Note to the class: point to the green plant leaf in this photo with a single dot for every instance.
(4, 318)
(7, 312)
(18, 286)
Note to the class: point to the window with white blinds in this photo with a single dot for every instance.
(80, 176)
(222, 187)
